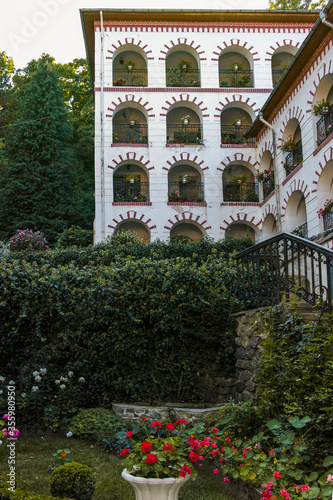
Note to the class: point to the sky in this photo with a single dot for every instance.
(30, 27)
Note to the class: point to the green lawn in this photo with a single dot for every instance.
(34, 461)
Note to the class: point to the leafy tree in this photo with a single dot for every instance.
(6, 94)
(36, 180)
(297, 4)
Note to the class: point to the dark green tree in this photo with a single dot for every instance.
(297, 4)
(7, 104)
(36, 178)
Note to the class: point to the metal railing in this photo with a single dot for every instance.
(130, 134)
(245, 191)
(283, 264)
(233, 134)
(325, 126)
(130, 78)
(188, 191)
(184, 134)
(125, 191)
(182, 77)
(268, 185)
(294, 158)
(276, 75)
(328, 221)
(301, 230)
(240, 78)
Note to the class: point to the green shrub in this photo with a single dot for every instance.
(100, 423)
(19, 494)
(128, 237)
(75, 236)
(75, 480)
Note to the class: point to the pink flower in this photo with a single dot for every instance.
(215, 471)
(305, 487)
(4, 432)
(271, 452)
(226, 480)
(6, 417)
(185, 469)
(227, 439)
(14, 433)
(276, 474)
(215, 429)
(193, 456)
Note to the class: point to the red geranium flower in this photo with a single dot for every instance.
(156, 424)
(124, 452)
(151, 458)
(145, 446)
(129, 434)
(170, 427)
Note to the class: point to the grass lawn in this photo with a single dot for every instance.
(34, 461)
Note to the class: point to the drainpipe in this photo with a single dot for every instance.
(322, 16)
(276, 175)
(102, 129)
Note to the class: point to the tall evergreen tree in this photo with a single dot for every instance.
(297, 4)
(36, 180)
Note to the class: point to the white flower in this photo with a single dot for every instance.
(2, 379)
(1, 391)
(23, 394)
(63, 379)
(11, 382)
(69, 434)
(35, 388)
(70, 374)
(38, 378)
(62, 386)
(82, 379)
(43, 371)
(34, 374)
(57, 381)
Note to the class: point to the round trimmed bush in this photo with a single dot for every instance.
(73, 480)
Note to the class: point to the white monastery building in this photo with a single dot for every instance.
(212, 122)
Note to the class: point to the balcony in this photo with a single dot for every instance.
(176, 77)
(131, 192)
(268, 184)
(130, 78)
(301, 230)
(233, 134)
(276, 75)
(191, 191)
(240, 78)
(325, 126)
(136, 134)
(241, 191)
(328, 221)
(293, 158)
(184, 134)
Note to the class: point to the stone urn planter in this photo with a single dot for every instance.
(155, 489)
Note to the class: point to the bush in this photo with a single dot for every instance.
(128, 237)
(100, 423)
(74, 480)
(75, 236)
(27, 238)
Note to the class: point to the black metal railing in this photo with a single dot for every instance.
(301, 230)
(127, 191)
(130, 134)
(176, 77)
(276, 75)
(240, 78)
(328, 221)
(184, 134)
(268, 184)
(245, 191)
(130, 78)
(325, 126)
(233, 134)
(188, 191)
(282, 264)
(294, 158)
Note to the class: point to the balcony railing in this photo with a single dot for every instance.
(130, 134)
(276, 75)
(328, 221)
(184, 134)
(232, 134)
(240, 78)
(268, 185)
(130, 78)
(245, 191)
(189, 191)
(301, 230)
(325, 126)
(182, 78)
(294, 158)
(125, 191)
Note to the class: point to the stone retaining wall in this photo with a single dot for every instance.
(173, 412)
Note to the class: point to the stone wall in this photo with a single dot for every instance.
(249, 335)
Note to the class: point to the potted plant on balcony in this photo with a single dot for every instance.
(184, 64)
(158, 466)
(236, 65)
(321, 107)
(132, 178)
(185, 120)
(288, 144)
(266, 175)
(133, 119)
(129, 65)
(327, 208)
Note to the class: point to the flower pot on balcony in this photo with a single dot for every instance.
(155, 489)
(130, 67)
(186, 122)
(132, 123)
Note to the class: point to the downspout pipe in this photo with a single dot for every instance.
(276, 174)
(322, 16)
(102, 129)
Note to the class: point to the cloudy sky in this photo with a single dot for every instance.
(30, 27)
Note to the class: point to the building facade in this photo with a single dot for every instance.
(180, 150)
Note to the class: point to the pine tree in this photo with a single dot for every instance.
(297, 4)
(36, 180)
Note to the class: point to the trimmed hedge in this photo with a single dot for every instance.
(137, 329)
(19, 494)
